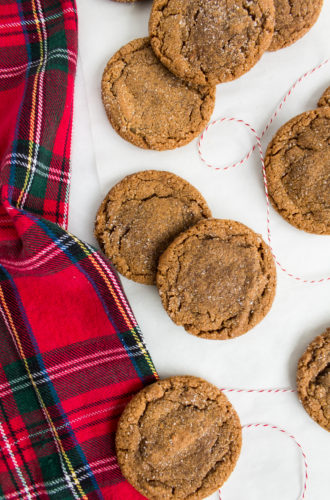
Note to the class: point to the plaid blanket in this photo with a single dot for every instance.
(71, 352)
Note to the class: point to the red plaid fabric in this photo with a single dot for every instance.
(71, 351)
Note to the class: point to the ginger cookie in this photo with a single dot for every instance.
(178, 438)
(293, 18)
(217, 279)
(325, 98)
(141, 215)
(298, 171)
(313, 380)
(149, 106)
(210, 42)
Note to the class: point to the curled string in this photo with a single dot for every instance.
(257, 146)
(303, 455)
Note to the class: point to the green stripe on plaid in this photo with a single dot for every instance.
(57, 44)
(44, 164)
(25, 464)
(142, 363)
(24, 394)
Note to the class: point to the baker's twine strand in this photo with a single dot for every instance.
(258, 145)
(304, 458)
(272, 118)
(274, 391)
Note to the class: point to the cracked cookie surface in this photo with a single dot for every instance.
(141, 215)
(178, 438)
(149, 106)
(217, 279)
(313, 380)
(210, 42)
(298, 171)
(293, 19)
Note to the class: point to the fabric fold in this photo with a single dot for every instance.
(72, 354)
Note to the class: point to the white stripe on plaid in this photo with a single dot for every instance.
(33, 21)
(42, 166)
(52, 487)
(54, 53)
(69, 363)
(74, 420)
(12, 456)
(113, 279)
(67, 372)
(37, 257)
(42, 174)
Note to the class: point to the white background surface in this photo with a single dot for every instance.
(270, 466)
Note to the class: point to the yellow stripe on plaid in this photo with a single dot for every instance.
(33, 104)
(131, 327)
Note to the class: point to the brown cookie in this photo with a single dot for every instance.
(313, 380)
(293, 18)
(178, 438)
(298, 171)
(210, 42)
(325, 98)
(141, 215)
(147, 105)
(217, 279)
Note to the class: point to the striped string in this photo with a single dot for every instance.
(283, 431)
(259, 148)
(274, 391)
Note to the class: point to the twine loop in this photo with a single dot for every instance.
(258, 146)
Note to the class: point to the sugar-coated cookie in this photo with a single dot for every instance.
(210, 42)
(141, 215)
(293, 18)
(149, 106)
(217, 279)
(297, 166)
(178, 438)
(313, 380)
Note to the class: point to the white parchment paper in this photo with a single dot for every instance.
(270, 465)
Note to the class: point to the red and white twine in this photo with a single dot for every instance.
(274, 391)
(298, 278)
(275, 427)
(283, 431)
(259, 148)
